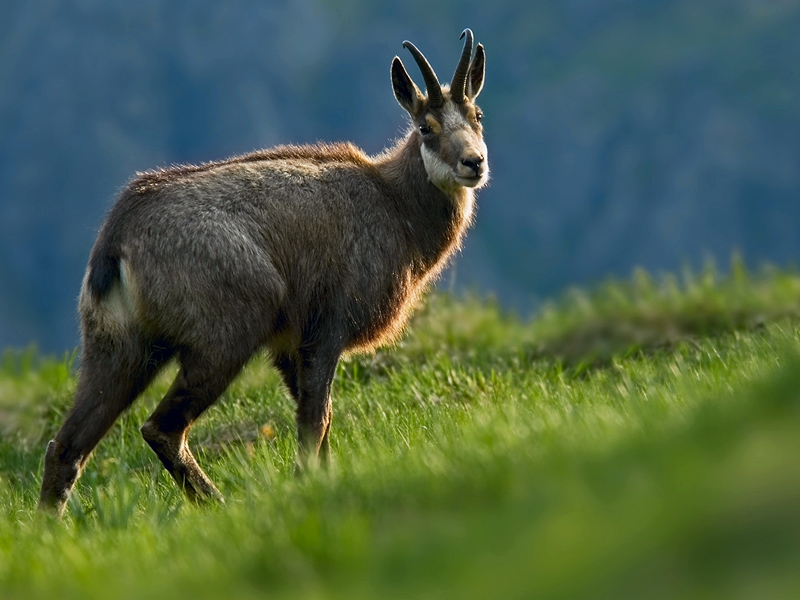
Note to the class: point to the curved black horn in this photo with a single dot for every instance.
(459, 85)
(435, 99)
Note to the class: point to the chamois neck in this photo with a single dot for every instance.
(436, 221)
(401, 166)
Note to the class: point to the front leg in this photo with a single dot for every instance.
(314, 407)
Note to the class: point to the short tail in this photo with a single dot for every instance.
(103, 272)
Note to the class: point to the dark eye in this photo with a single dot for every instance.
(425, 129)
(478, 116)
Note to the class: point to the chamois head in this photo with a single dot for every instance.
(447, 120)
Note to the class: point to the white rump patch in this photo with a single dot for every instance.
(115, 311)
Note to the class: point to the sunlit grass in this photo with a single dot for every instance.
(470, 461)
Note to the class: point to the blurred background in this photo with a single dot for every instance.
(621, 133)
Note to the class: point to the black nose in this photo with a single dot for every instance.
(474, 163)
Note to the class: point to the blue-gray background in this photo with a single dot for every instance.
(621, 132)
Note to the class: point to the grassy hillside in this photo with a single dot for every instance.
(638, 441)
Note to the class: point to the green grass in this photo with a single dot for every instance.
(641, 440)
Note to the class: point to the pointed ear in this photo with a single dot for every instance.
(477, 71)
(405, 90)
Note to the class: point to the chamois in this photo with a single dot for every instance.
(305, 251)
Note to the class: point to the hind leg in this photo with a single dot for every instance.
(112, 374)
(199, 384)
